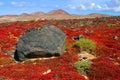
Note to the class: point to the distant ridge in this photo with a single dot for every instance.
(38, 13)
(59, 11)
(54, 14)
(98, 15)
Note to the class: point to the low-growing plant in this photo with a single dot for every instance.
(28, 62)
(82, 23)
(85, 44)
(31, 29)
(83, 66)
(103, 68)
(111, 25)
(6, 61)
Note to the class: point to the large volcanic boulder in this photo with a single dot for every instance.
(44, 42)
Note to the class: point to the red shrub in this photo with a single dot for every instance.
(69, 57)
(21, 71)
(61, 70)
(104, 69)
(107, 38)
(63, 76)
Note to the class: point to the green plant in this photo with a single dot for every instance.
(52, 19)
(28, 62)
(82, 23)
(89, 22)
(6, 61)
(86, 45)
(32, 29)
(83, 66)
(111, 25)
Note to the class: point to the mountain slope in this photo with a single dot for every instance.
(54, 14)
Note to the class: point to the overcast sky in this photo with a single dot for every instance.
(84, 7)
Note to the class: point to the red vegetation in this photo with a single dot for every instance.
(104, 69)
(22, 71)
(61, 68)
(104, 31)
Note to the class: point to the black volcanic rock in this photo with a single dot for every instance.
(44, 42)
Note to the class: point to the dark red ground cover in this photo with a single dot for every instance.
(61, 68)
(104, 69)
(104, 31)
